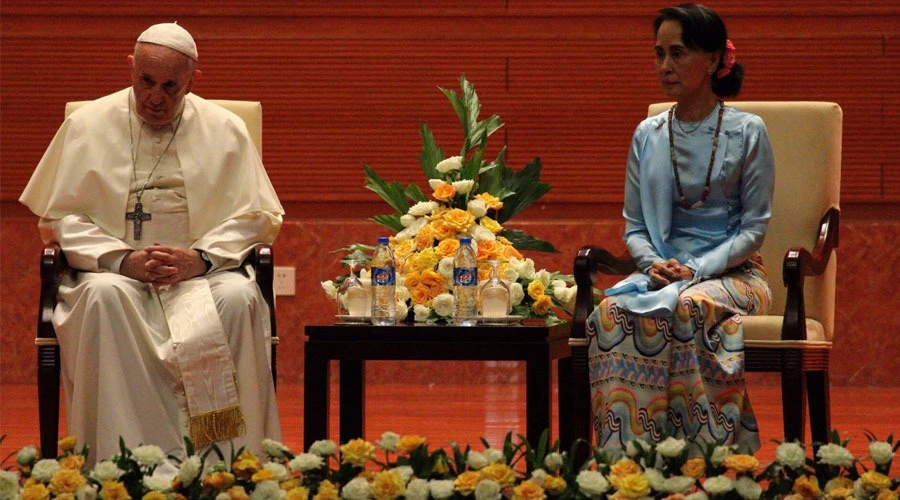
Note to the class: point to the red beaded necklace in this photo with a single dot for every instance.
(712, 158)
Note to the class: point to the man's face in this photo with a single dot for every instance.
(160, 77)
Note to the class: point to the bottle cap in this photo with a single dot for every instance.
(465, 240)
(383, 240)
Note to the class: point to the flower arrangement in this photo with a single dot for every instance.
(398, 466)
(470, 196)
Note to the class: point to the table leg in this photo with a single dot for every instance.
(315, 395)
(537, 397)
(352, 399)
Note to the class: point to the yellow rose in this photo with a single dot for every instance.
(741, 463)
(466, 482)
(291, 484)
(441, 467)
(838, 483)
(154, 495)
(67, 443)
(622, 468)
(535, 289)
(66, 481)
(114, 490)
(74, 462)
(357, 452)
(219, 480)
(634, 486)
(410, 442)
(458, 219)
(263, 475)
(444, 192)
(500, 473)
(419, 294)
(447, 248)
(839, 493)
(807, 487)
(432, 278)
(327, 491)
(246, 465)
(38, 491)
(873, 481)
(491, 225)
(298, 493)
(555, 485)
(490, 250)
(490, 201)
(529, 490)
(403, 249)
(425, 260)
(694, 467)
(387, 485)
(542, 305)
(412, 279)
(237, 493)
(510, 251)
(887, 495)
(424, 238)
(442, 230)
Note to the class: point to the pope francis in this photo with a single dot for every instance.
(156, 196)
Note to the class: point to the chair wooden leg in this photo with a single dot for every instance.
(48, 399)
(819, 405)
(793, 398)
(581, 404)
(564, 402)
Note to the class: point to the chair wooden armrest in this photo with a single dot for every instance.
(588, 262)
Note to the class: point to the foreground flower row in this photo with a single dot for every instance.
(403, 467)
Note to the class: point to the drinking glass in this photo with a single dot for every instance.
(495, 297)
(353, 296)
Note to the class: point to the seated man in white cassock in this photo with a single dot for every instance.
(156, 196)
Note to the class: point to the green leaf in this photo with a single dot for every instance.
(431, 154)
(526, 184)
(391, 222)
(522, 241)
(392, 193)
(414, 193)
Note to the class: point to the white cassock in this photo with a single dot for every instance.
(154, 364)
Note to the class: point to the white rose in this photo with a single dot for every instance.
(404, 471)
(859, 489)
(441, 489)
(223, 496)
(9, 484)
(790, 455)
(553, 461)
(494, 456)
(449, 164)
(273, 448)
(463, 187)
(148, 455)
(592, 483)
(411, 230)
(407, 219)
(422, 208)
(655, 479)
(267, 490)
(86, 492)
(445, 267)
(477, 208)
(476, 460)
(156, 483)
(511, 275)
(402, 293)
(516, 293)
(422, 312)
(189, 469)
(487, 489)
(677, 484)
(544, 277)
(697, 495)
(671, 447)
(44, 469)
(719, 454)
(306, 462)
(444, 305)
(107, 470)
(881, 452)
(26, 455)
(401, 310)
(356, 489)
(279, 471)
(718, 484)
(436, 183)
(526, 268)
(417, 489)
(636, 446)
(323, 448)
(748, 488)
(481, 233)
(833, 454)
(538, 476)
(330, 289)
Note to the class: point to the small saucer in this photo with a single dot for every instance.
(500, 320)
(346, 318)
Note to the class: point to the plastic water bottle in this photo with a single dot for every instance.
(383, 284)
(465, 284)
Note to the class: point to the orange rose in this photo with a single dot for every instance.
(442, 230)
(38, 491)
(694, 467)
(542, 305)
(154, 495)
(431, 278)
(387, 485)
(424, 238)
(623, 468)
(490, 250)
(555, 485)
(466, 482)
(807, 487)
(420, 294)
(219, 480)
(246, 465)
(741, 464)
(237, 493)
(510, 251)
(327, 491)
(460, 220)
(74, 462)
(410, 442)
(447, 248)
(529, 490)
(263, 475)
(66, 481)
(501, 473)
(490, 201)
(444, 192)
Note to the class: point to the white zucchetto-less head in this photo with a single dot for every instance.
(170, 35)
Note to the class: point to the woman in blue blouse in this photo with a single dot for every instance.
(666, 355)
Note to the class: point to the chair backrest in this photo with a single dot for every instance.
(249, 111)
(806, 142)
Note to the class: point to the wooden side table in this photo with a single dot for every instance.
(353, 344)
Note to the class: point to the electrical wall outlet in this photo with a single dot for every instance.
(284, 280)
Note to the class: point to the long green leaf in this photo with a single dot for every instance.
(391, 222)
(392, 193)
(431, 154)
(527, 187)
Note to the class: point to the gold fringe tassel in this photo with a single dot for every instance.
(218, 425)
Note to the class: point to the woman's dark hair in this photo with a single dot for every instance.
(703, 29)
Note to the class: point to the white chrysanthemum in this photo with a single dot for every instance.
(273, 448)
(881, 452)
(279, 471)
(26, 455)
(323, 448)
(441, 489)
(671, 447)
(463, 187)
(449, 164)
(407, 219)
(436, 183)
(678, 484)
(510, 274)
(487, 489)
(330, 289)
(747, 488)
(410, 231)
(422, 312)
(356, 489)
(859, 489)
(189, 469)
(476, 460)
(544, 277)
(553, 461)
(592, 483)
(417, 489)
(635, 446)
(494, 456)
(445, 267)
(719, 454)
(9, 484)
(401, 310)
(538, 476)
(404, 471)
(402, 292)
(833, 454)
(655, 479)
(516, 293)
(107, 470)
(558, 283)
(481, 233)
(790, 455)
(422, 208)
(477, 208)
(267, 490)
(306, 462)
(525, 268)
(44, 469)
(444, 305)
(156, 483)
(697, 495)
(149, 455)
(717, 485)
(86, 492)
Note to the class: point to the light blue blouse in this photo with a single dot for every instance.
(722, 233)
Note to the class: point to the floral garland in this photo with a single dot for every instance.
(470, 197)
(398, 466)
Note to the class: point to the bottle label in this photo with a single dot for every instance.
(465, 276)
(382, 276)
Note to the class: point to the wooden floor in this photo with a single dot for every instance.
(465, 413)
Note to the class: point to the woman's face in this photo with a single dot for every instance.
(683, 72)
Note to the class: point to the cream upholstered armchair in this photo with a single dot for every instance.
(53, 267)
(795, 339)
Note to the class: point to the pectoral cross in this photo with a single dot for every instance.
(138, 216)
